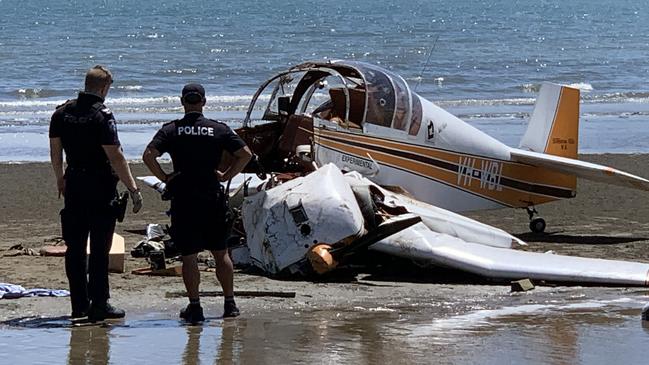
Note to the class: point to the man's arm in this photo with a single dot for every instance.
(150, 158)
(119, 164)
(241, 158)
(56, 157)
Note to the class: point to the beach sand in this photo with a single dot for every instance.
(602, 221)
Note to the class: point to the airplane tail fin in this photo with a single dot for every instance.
(554, 125)
(550, 142)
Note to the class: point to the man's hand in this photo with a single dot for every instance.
(241, 158)
(60, 186)
(136, 198)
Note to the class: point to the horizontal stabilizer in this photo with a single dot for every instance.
(421, 244)
(581, 169)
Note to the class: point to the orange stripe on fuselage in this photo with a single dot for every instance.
(478, 175)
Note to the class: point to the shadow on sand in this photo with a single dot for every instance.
(556, 237)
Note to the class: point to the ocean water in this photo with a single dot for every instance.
(487, 59)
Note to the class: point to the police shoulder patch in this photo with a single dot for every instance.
(64, 104)
(173, 121)
(112, 126)
(106, 111)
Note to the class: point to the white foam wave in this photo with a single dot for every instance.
(130, 87)
(531, 88)
(583, 86)
(152, 100)
(535, 88)
(485, 102)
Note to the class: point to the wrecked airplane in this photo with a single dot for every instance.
(364, 118)
(352, 170)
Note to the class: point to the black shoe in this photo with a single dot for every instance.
(230, 309)
(193, 313)
(101, 311)
(78, 315)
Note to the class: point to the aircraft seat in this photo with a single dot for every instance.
(298, 131)
(357, 107)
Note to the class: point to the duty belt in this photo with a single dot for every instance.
(90, 170)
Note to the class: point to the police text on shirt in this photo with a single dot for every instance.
(196, 131)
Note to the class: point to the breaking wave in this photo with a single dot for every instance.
(129, 87)
(34, 93)
(586, 97)
(133, 104)
(535, 88)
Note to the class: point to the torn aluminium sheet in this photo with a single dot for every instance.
(275, 222)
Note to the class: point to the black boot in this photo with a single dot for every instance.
(230, 309)
(78, 315)
(101, 311)
(193, 313)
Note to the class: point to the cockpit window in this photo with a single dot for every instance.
(402, 110)
(380, 98)
(260, 110)
(415, 122)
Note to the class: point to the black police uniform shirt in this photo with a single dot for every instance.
(196, 144)
(84, 126)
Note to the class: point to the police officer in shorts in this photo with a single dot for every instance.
(85, 129)
(198, 200)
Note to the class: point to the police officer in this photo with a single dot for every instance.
(198, 202)
(85, 129)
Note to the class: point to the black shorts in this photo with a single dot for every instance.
(199, 223)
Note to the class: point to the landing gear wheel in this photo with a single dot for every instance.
(537, 225)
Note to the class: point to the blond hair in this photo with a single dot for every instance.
(97, 78)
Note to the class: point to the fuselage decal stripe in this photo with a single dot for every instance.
(429, 178)
(448, 166)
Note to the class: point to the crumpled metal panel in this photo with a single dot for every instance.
(283, 223)
(444, 221)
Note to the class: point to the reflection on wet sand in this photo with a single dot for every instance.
(311, 340)
(89, 345)
(558, 334)
(193, 347)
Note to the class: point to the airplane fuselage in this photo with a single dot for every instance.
(448, 163)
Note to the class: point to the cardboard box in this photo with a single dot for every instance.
(116, 255)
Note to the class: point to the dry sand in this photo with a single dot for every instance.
(602, 221)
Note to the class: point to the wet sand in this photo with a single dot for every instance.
(602, 221)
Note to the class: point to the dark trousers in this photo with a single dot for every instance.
(88, 212)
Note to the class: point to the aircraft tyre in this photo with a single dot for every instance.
(537, 225)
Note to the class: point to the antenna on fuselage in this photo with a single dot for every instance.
(430, 53)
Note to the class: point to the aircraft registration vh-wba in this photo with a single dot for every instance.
(364, 118)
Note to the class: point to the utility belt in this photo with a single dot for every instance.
(194, 185)
(100, 171)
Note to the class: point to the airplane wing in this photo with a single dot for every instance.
(582, 169)
(441, 220)
(422, 244)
